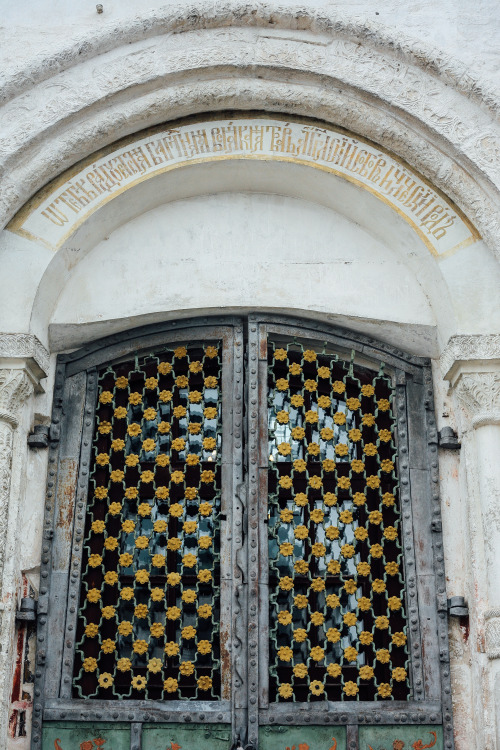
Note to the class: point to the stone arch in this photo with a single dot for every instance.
(401, 95)
(405, 97)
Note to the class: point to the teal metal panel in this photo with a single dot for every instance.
(400, 738)
(302, 738)
(75, 735)
(186, 737)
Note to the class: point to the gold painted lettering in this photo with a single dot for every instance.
(201, 141)
(364, 161)
(440, 232)
(350, 153)
(377, 169)
(77, 191)
(253, 138)
(141, 158)
(424, 203)
(152, 150)
(401, 194)
(320, 144)
(231, 142)
(333, 148)
(217, 138)
(55, 216)
(277, 140)
(108, 182)
(413, 201)
(163, 146)
(95, 180)
(69, 202)
(175, 142)
(386, 180)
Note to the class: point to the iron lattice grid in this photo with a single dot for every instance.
(149, 602)
(336, 588)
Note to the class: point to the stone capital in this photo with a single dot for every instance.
(16, 385)
(471, 364)
(466, 350)
(24, 362)
(26, 349)
(479, 396)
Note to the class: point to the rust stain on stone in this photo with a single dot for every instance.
(464, 626)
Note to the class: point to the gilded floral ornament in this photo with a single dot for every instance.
(124, 665)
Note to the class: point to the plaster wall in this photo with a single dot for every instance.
(240, 251)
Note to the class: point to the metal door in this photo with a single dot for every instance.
(327, 709)
(141, 634)
(380, 681)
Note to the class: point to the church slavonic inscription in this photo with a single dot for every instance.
(62, 209)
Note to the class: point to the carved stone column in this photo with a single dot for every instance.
(479, 396)
(15, 387)
(472, 365)
(23, 363)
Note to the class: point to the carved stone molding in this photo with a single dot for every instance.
(15, 387)
(461, 349)
(492, 627)
(356, 76)
(6, 440)
(25, 345)
(479, 395)
(180, 18)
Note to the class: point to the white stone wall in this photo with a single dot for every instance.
(420, 81)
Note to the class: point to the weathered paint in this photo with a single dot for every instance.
(69, 735)
(182, 737)
(400, 738)
(302, 738)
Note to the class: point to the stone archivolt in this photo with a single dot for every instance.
(448, 132)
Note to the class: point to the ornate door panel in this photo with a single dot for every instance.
(138, 598)
(345, 524)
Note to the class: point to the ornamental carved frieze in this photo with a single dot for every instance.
(479, 396)
(467, 348)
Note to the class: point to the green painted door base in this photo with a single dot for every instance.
(400, 738)
(186, 737)
(83, 735)
(73, 735)
(302, 738)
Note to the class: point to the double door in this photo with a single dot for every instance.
(225, 560)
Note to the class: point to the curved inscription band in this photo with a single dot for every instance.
(60, 208)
